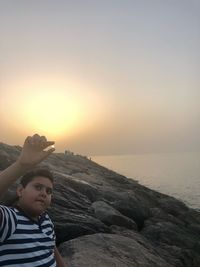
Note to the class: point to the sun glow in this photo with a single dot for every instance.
(51, 107)
(52, 112)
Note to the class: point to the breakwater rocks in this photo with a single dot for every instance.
(104, 219)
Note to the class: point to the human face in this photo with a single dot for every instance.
(35, 197)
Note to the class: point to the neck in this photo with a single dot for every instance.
(33, 217)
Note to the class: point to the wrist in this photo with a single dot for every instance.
(22, 167)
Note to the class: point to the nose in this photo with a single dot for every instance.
(43, 192)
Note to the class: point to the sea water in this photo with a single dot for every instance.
(176, 174)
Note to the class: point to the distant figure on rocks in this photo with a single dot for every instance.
(27, 235)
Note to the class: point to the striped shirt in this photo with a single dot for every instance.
(25, 243)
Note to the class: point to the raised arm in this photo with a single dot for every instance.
(32, 153)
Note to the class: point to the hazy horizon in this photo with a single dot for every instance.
(101, 77)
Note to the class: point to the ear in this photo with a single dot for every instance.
(19, 190)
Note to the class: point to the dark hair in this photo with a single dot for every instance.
(29, 176)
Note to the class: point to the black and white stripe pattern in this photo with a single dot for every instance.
(25, 243)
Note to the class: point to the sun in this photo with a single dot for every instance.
(52, 112)
(53, 107)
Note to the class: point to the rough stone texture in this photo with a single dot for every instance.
(109, 250)
(111, 216)
(105, 219)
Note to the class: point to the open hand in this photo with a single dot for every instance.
(33, 150)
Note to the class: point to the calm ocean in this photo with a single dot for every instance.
(177, 175)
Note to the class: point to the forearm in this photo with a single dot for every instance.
(10, 175)
(59, 260)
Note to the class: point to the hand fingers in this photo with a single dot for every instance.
(39, 141)
(33, 140)
(27, 140)
(50, 143)
(51, 150)
(43, 138)
(36, 136)
(48, 152)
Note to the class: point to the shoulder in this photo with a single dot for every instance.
(8, 222)
(7, 211)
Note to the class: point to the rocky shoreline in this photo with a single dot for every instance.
(104, 219)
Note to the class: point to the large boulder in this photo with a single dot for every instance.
(106, 250)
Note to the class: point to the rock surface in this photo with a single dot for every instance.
(105, 219)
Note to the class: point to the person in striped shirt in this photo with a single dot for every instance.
(27, 237)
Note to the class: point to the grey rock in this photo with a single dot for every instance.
(111, 216)
(104, 219)
(109, 250)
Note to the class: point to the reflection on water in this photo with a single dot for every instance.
(173, 174)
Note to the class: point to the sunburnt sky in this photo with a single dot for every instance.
(101, 77)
